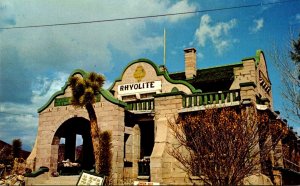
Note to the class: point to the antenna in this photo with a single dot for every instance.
(164, 47)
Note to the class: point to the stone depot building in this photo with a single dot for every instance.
(136, 109)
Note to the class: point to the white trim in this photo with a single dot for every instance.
(204, 107)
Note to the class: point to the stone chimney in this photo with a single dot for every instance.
(190, 62)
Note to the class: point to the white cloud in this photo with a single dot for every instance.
(297, 17)
(258, 25)
(180, 6)
(6, 13)
(76, 46)
(47, 55)
(200, 55)
(21, 120)
(294, 19)
(216, 33)
(17, 122)
(43, 88)
(107, 84)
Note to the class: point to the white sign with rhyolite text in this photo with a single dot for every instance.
(140, 87)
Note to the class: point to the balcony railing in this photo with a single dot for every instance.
(198, 99)
(141, 105)
(203, 99)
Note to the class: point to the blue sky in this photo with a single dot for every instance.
(36, 62)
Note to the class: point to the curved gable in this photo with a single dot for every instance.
(63, 89)
(262, 64)
(106, 94)
(149, 72)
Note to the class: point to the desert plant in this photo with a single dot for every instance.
(16, 148)
(106, 155)
(84, 92)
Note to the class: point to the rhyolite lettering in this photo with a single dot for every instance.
(137, 86)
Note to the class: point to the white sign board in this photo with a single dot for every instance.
(138, 88)
(90, 179)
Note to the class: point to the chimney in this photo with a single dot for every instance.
(190, 62)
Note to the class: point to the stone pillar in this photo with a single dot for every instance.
(70, 144)
(127, 173)
(111, 118)
(162, 167)
(247, 92)
(278, 162)
(54, 154)
(136, 145)
(87, 155)
(255, 152)
(278, 155)
(43, 151)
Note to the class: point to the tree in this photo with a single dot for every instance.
(84, 93)
(295, 53)
(106, 155)
(16, 148)
(224, 145)
(287, 61)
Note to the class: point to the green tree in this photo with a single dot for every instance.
(287, 62)
(16, 148)
(84, 93)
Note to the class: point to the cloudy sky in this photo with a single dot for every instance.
(35, 62)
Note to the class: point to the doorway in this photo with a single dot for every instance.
(146, 147)
(147, 138)
(75, 146)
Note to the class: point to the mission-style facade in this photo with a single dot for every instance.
(136, 109)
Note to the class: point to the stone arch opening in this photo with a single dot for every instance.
(82, 154)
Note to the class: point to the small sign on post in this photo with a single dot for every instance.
(88, 178)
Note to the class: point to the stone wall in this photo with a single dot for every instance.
(49, 121)
(245, 74)
(164, 168)
(248, 79)
(110, 117)
(262, 73)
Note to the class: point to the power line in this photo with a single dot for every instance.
(150, 16)
(17, 114)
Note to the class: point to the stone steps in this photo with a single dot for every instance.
(36, 180)
(62, 180)
(46, 180)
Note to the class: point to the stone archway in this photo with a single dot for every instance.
(68, 130)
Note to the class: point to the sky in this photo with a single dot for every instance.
(35, 62)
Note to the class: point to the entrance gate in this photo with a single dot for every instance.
(81, 156)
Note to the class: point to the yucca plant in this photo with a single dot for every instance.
(16, 148)
(84, 93)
